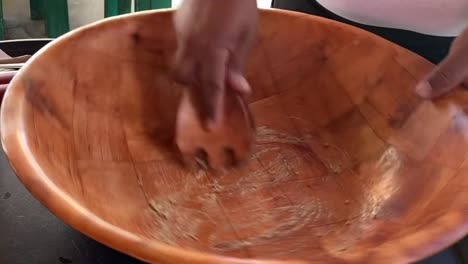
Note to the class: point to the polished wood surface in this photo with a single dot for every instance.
(349, 165)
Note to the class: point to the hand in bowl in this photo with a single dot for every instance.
(213, 39)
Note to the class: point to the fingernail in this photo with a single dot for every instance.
(240, 83)
(424, 89)
(244, 85)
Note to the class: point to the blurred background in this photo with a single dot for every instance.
(19, 25)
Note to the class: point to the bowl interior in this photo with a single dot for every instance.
(349, 163)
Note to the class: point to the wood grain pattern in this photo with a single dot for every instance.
(349, 165)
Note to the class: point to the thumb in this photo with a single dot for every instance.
(450, 73)
(238, 82)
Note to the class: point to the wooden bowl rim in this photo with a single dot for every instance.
(30, 173)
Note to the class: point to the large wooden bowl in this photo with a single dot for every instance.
(349, 165)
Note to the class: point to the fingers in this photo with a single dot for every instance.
(205, 76)
(238, 82)
(207, 36)
(211, 56)
(211, 86)
(183, 64)
(450, 73)
(235, 78)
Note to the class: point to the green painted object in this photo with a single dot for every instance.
(141, 5)
(56, 14)
(117, 7)
(37, 9)
(157, 4)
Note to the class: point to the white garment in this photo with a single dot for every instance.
(432, 17)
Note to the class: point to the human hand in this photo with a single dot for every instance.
(450, 73)
(213, 38)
